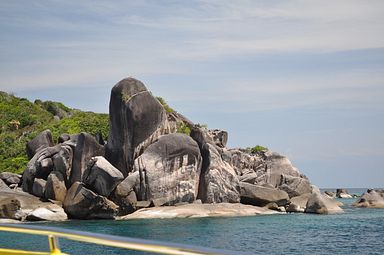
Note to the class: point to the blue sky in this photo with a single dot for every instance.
(304, 78)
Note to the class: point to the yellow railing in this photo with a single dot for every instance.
(101, 239)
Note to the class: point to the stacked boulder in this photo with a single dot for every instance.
(145, 162)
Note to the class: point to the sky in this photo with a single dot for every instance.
(304, 78)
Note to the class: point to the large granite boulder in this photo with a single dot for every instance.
(101, 177)
(261, 196)
(320, 204)
(86, 148)
(218, 180)
(55, 187)
(42, 140)
(169, 170)
(82, 203)
(137, 119)
(371, 199)
(219, 137)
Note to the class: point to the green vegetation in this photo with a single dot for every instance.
(183, 128)
(21, 120)
(165, 105)
(258, 149)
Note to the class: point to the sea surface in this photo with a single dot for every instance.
(356, 231)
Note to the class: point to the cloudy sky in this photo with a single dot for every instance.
(304, 78)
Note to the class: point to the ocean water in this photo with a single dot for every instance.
(356, 231)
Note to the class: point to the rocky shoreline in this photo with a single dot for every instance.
(147, 166)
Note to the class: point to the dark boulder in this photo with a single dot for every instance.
(101, 177)
(67, 137)
(82, 203)
(169, 170)
(55, 187)
(42, 140)
(137, 119)
(44, 168)
(38, 187)
(86, 148)
(262, 196)
(125, 196)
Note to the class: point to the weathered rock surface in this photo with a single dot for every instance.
(371, 199)
(86, 148)
(218, 180)
(101, 177)
(199, 211)
(55, 187)
(219, 137)
(330, 194)
(320, 204)
(169, 170)
(261, 196)
(82, 203)
(10, 178)
(136, 120)
(42, 140)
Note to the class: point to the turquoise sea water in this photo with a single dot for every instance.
(357, 231)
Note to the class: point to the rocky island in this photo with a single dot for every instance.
(148, 168)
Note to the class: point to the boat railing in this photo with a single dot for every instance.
(133, 244)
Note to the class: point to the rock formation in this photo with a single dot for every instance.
(147, 163)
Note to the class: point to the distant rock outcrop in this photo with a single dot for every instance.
(373, 198)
